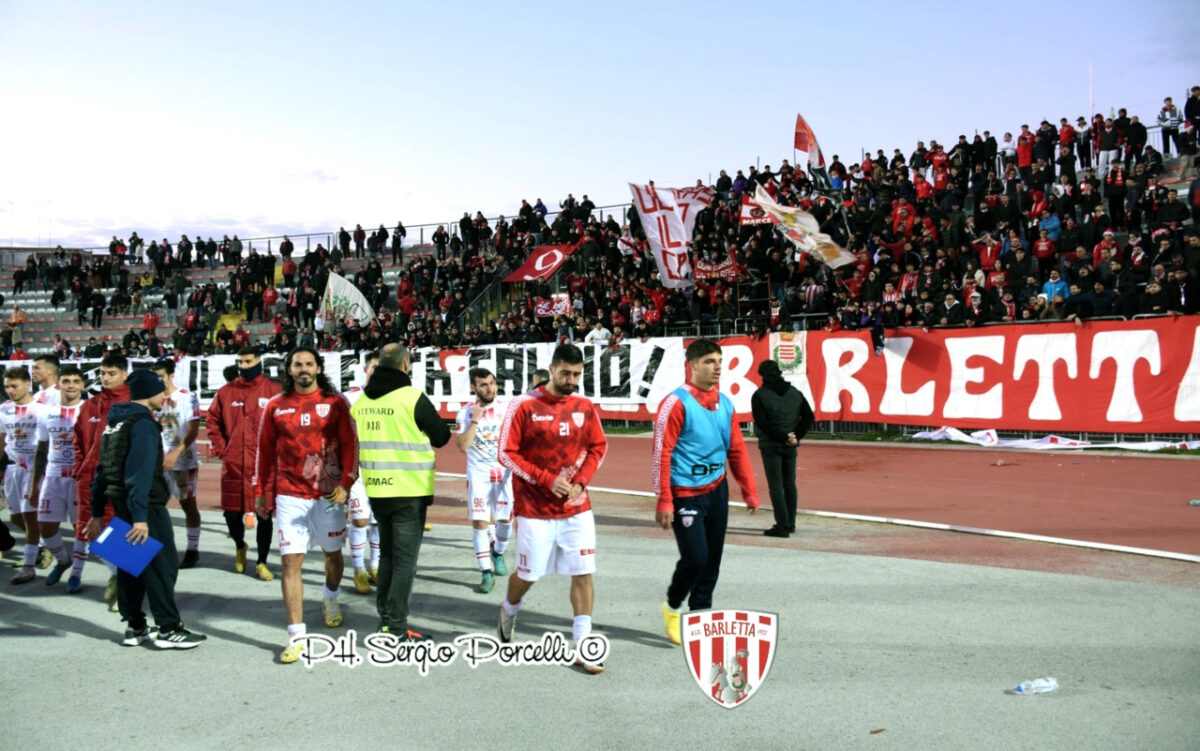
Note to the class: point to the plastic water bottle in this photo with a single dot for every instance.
(1038, 686)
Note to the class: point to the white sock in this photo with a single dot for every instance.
(30, 554)
(581, 627)
(373, 540)
(55, 546)
(483, 556)
(79, 555)
(508, 607)
(193, 538)
(503, 533)
(328, 593)
(491, 530)
(296, 629)
(358, 546)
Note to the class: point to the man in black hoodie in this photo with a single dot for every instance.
(398, 429)
(782, 416)
(130, 474)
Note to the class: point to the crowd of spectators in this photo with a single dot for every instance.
(1061, 222)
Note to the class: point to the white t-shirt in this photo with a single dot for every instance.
(50, 396)
(482, 453)
(56, 426)
(18, 423)
(179, 411)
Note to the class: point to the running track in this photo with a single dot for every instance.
(1136, 501)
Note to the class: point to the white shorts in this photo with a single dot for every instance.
(58, 498)
(17, 484)
(559, 546)
(489, 495)
(304, 523)
(182, 483)
(360, 507)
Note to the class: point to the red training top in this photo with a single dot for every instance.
(306, 446)
(544, 436)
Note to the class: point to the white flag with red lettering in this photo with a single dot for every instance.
(664, 223)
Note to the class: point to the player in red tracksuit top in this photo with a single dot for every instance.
(232, 425)
(553, 442)
(92, 419)
(696, 435)
(307, 461)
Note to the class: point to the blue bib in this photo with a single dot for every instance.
(699, 456)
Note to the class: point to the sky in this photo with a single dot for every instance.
(264, 118)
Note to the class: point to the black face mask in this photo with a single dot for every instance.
(251, 373)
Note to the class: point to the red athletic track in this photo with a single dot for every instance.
(1136, 501)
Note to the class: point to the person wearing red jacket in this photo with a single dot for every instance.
(695, 434)
(93, 416)
(232, 426)
(307, 461)
(1025, 141)
(553, 442)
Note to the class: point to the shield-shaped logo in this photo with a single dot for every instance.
(729, 652)
(262, 402)
(322, 411)
(577, 418)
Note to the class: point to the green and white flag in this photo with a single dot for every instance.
(343, 300)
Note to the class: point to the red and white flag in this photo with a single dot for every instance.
(806, 141)
(664, 223)
(542, 262)
(557, 305)
(752, 213)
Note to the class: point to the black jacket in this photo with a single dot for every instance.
(778, 409)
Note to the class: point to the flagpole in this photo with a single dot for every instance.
(1091, 91)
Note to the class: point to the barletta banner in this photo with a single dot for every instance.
(1130, 377)
(1139, 376)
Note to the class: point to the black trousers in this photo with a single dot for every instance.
(157, 580)
(401, 529)
(264, 532)
(699, 527)
(779, 465)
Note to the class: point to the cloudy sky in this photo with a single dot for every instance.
(267, 117)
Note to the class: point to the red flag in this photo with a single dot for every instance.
(542, 262)
(806, 141)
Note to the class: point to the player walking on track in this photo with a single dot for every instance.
(233, 419)
(307, 461)
(489, 484)
(553, 442)
(695, 433)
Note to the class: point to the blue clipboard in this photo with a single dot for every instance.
(112, 546)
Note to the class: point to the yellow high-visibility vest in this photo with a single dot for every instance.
(395, 458)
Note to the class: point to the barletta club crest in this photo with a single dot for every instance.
(322, 411)
(729, 652)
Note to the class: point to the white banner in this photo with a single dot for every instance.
(690, 202)
(342, 300)
(629, 380)
(1052, 442)
(663, 222)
